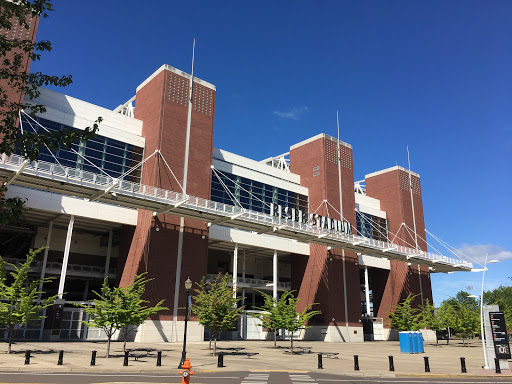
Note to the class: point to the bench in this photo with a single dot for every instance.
(329, 355)
(305, 349)
(147, 350)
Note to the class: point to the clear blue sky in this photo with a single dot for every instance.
(434, 75)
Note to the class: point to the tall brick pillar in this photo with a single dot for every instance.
(315, 160)
(17, 32)
(161, 103)
(391, 187)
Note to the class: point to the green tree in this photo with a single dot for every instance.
(14, 78)
(293, 321)
(466, 320)
(462, 298)
(272, 313)
(19, 302)
(404, 317)
(501, 296)
(215, 307)
(118, 308)
(134, 310)
(434, 320)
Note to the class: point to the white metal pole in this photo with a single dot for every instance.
(45, 259)
(367, 290)
(414, 222)
(486, 362)
(235, 269)
(243, 277)
(274, 276)
(109, 252)
(67, 247)
(341, 218)
(182, 220)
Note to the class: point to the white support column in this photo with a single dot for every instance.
(367, 290)
(109, 252)
(45, 258)
(67, 246)
(243, 277)
(274, 276)
(235, 269)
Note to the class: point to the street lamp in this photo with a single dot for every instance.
(188, 285)
(486, 363)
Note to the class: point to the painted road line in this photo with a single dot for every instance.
(300, 379)
(256, 378)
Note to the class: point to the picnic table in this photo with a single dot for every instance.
(134, 352)
(330, 355)
(299, 351)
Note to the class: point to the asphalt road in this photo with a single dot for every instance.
(245, 377)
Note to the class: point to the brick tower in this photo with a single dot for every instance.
(161, 103)
(392, 187)
(320, 277)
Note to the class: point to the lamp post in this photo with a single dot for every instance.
(486, 363)
(188, 285)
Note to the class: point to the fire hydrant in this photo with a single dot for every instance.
(186, 372)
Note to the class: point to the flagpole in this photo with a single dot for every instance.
(341, 218)
(414, 222)
(182, 219)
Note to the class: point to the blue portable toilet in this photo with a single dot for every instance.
(417, 342)
(406, 343)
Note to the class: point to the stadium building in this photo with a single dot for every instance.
(151, 194)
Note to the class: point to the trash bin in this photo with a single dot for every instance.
(417, 342)
(406, 343)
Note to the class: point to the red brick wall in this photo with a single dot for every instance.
(162, 106)
(392, 189)
(322, 276)
(18, 32)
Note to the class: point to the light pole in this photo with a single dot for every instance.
(188, 285)
(486, 363)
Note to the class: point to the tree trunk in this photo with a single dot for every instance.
(125, 330)
(11, 329)
(108, 346)
(214, 345)
(275, 338)
(291, 340)
(210, 346)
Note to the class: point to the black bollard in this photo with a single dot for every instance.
(159, 359)
(427, 365)
(27, 357)
(497, 364)
(125, 363)
(463, 365)
(391, 364)
(61, 357)
(220, 360)
(356, 363)
(320, 365)
(93, 358)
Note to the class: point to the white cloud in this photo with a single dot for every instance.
(477, 252)
(294, 114)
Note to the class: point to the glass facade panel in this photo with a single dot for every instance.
(112, 156)
(252, 194)
(371, 226)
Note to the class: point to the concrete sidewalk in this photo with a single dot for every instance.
(373, 358)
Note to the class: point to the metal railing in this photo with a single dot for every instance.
(196, 206)
(253, 283)
(55, 267)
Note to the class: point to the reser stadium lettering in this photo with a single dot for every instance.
(313, 219)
